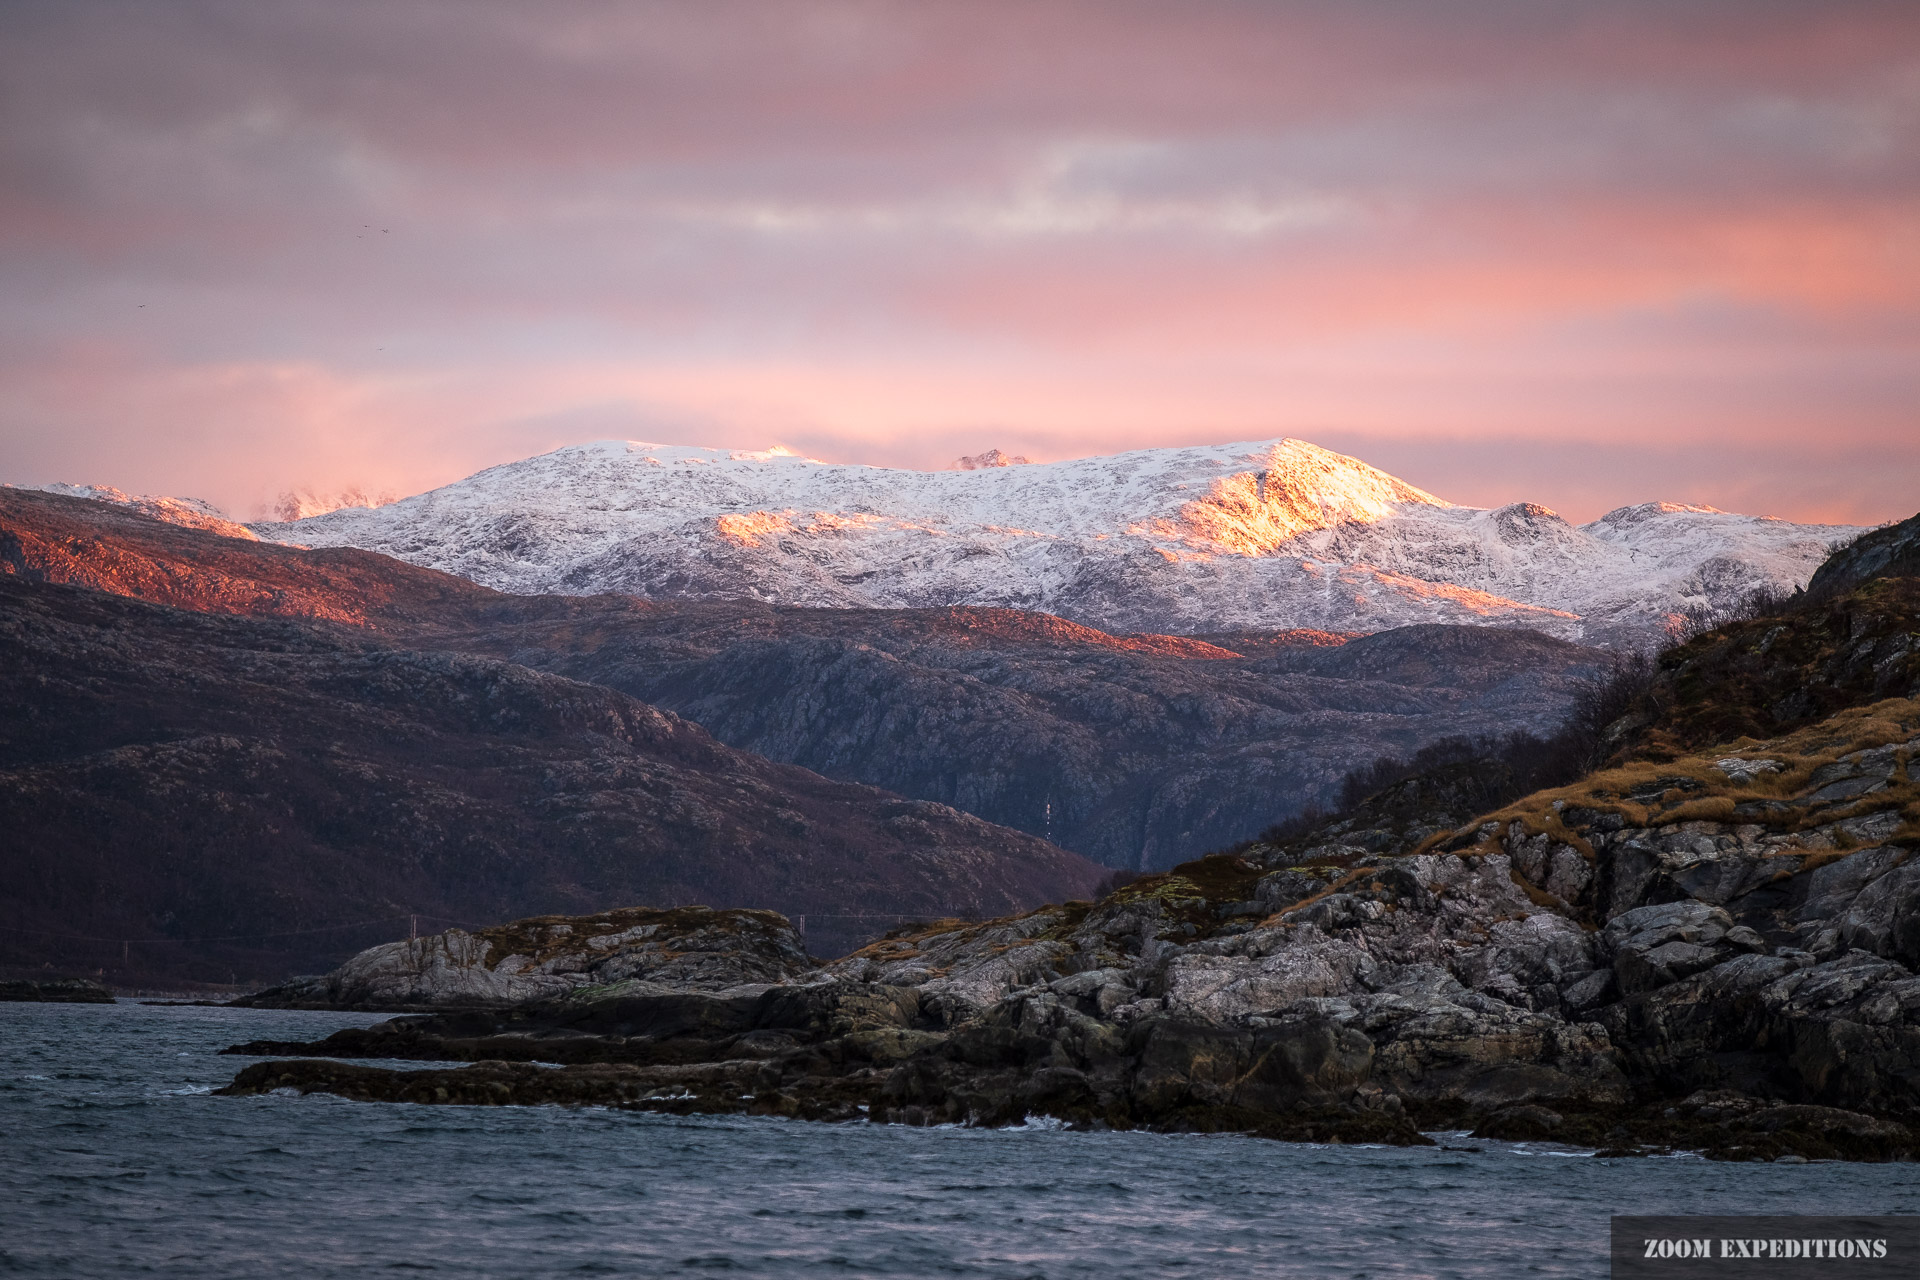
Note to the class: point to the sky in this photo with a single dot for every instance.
(1578, 253)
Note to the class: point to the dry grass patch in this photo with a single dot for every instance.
(1535, 894)
(910, 940)
(1707, 809)
(1712, 795)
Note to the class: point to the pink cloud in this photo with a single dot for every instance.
(1522, 249)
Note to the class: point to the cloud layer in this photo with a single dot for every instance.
(1576, 253)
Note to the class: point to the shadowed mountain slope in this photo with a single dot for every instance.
(173, 775)
(1133, 756)
(1135, 750)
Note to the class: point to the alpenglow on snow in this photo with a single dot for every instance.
(1255, 535)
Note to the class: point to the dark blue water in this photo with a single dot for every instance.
(114, 1161)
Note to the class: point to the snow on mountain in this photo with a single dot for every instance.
(190, 512)
(1256, 535)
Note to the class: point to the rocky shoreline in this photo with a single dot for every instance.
(1715, 953)
(1721, 1125)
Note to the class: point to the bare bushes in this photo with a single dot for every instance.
(1695, 620)
(1602, 712)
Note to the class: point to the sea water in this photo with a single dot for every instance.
(116, 1161)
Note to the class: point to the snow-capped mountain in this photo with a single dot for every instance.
(1256, 535)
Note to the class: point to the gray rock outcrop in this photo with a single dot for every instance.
(615, 954)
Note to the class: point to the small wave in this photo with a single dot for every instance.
(87, 1179)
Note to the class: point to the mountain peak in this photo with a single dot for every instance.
(1288, 488)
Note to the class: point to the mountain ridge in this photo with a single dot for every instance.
(1137, 750)
(1254, 535)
